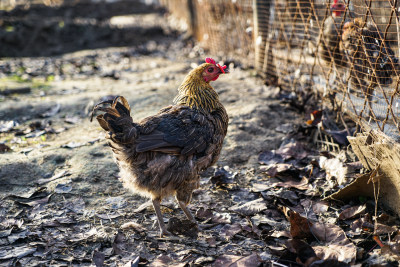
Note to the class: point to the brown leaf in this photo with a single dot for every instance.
(320, 207)
(299, 226)
(221, 218)
(134, 226)
(293, 149)
(237, 261)
(363, 224)
(270, 157)
(281, 234)
(352, 212)
(292, 183)
(203, 213)
(161, 261)
(228, 231)
(336, 245)
(250, 208)
(280, 170)
(359, 187)
(182, 227)
(385, 229)
(119, 243)
(305, 253)
(35, 202)
(392, 250)
(260, 187)
(165, 261)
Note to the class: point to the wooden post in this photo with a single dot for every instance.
(192, 19)
(260, 17)
(263, 48)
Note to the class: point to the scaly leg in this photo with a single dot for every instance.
(187, 212)
(163, 229)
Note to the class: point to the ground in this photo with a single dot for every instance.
(62, 203)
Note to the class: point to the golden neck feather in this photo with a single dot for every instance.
(197, 93)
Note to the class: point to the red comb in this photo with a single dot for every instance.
(210, 60)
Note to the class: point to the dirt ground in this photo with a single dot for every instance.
(62, 203)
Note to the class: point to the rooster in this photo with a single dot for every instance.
(162, 155)
(371, 61)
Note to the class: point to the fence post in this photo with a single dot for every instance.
(192, 19)
(259, 36)
(263, 49)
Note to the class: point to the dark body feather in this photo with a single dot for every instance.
(169, 150)
(371, 61)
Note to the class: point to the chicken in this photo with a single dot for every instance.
(371, 61)
(329, 42)
(162, 155)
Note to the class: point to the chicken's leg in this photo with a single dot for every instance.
(187, 212)
(163, 229)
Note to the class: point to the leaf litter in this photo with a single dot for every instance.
(271, 213)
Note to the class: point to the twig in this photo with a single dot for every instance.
(278, 264)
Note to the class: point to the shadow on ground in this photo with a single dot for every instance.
(47, 31)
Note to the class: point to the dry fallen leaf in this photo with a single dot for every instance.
(237, 261)
(293, 183)
(305, 253)
(352, 212)
(292, 149)
(228, 231)
(270, 158)
(250, 208)
(299, 226)
(134, 226)
(336, 244)
(165, 261)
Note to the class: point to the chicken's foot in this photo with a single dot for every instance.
(163, 228)
(187, 212)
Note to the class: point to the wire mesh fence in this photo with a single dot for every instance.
(224, 27)
(344, 50)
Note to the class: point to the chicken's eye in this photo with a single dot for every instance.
(210, 69)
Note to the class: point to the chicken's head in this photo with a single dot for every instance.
(211, 70)
(337, 8)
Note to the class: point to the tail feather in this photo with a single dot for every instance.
(117, 120)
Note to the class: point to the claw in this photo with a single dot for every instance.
(165, 232)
